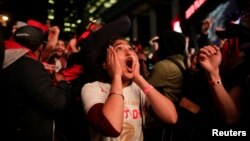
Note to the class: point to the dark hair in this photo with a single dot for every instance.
(96, 72)
(107, 44)
(170, 43)
(115, 38)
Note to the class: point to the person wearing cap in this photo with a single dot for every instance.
(53, 35)
(29, 101)
(17, 25)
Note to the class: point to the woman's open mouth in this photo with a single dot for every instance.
(129, 64)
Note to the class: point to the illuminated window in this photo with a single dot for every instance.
(78, 21)
(51, 17)
(51, 2)
(66, 29)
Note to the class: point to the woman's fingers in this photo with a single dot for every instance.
(209, 50)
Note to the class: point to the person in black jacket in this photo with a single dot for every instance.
(29, 100)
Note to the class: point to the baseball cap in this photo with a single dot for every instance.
(29, 36)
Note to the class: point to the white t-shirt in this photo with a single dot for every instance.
(97, 92)
(58, 64)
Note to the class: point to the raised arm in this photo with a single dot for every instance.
(107, 116)
(210, 59)
(163, 107)
(52, 40)
(114, 106)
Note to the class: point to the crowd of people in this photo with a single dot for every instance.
(99, 86)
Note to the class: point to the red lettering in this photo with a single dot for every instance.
(126, 113)
(135, 114)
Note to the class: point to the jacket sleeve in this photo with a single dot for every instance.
(37, 84)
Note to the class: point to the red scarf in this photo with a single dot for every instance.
(11, 44)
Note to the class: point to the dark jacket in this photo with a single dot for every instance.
(29, 101)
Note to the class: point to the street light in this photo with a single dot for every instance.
(3, 20)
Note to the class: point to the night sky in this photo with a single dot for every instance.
(24, 9)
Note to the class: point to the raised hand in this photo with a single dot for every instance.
(136, 70)
(113, 65)
(210, 58)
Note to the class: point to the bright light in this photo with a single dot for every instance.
(67, 29)
(51, 17)
(236, 21)
(51, 2)
(5, 18)
(92, 9)
(66, 24)
(107, 4)
(91, 18)
(113, 1)
(79, 21)
(177, 26)
(98, 3)
(127, 38)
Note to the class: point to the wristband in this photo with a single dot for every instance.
(147, 89)
(215, 83)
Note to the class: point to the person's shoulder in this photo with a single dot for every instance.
(29, 67)
(163, 64)
(29, 62)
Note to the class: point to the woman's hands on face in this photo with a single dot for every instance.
(136, 67)
(113, 65)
